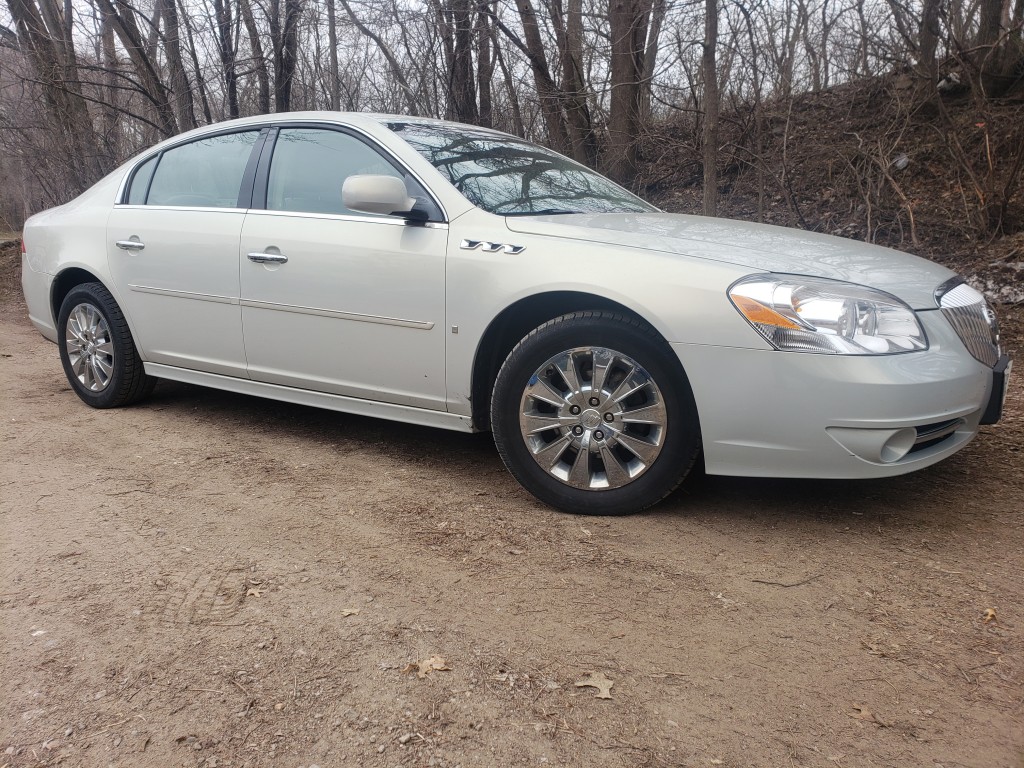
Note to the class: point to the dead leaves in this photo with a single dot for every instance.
(599, 681)
(345, 612)
(989, 615)
(863, 713)
(423, 668)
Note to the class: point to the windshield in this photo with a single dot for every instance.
(512, 177)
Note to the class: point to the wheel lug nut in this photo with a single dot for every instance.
(609, 417)
(594, 401)
(577, 431)
(599, 435)
(574, 410)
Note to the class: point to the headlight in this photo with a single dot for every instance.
(807, 314)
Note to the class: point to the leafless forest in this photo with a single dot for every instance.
(798, 111)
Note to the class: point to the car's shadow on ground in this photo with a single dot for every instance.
(938, 498)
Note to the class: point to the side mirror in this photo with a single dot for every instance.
(377, 194)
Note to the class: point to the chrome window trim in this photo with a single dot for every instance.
(285, 122)
(391, 221)
(282, 122)
(150, 155)
(195, 208)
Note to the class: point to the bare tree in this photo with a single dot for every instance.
(711, 107)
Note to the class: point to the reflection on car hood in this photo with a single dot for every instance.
(760, 247)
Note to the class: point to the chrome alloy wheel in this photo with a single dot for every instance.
(90, 347)
(593, 418)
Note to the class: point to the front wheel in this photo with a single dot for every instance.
(592, 414)
(97, 349)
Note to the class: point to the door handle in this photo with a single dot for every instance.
(263, 258)
(130, 245)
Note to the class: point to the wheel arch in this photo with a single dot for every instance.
(65, 281)
(514, 322)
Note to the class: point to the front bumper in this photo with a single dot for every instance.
(766, 413)
(997, 394)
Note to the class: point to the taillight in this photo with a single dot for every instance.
(23, 251)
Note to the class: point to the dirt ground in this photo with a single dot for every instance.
(215, 580)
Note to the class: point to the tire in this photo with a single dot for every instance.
(627, 452)
(97, 350)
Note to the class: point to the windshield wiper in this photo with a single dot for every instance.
(541, 212)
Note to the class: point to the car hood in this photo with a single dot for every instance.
(759, 247)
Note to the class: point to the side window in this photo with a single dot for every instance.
(140, 182)
(205, 173)
(310, 166)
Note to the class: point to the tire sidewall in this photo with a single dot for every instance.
(98, 297)
(682, 441)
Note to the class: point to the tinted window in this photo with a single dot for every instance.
(140, 182)
(509, 176)
(205, 173)
(310, 166)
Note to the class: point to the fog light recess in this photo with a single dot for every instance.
(898, 446)
(879, 446)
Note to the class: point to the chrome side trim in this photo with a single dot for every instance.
(403, 413)
(420, 325)
(184, 294)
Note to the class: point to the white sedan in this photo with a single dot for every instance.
(453, 276)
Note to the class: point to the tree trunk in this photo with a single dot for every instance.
(547, 92)
(226, 51)
(259, 60)
(461, 82)
(153, 87)
(184, 106)
(628, 25)
(711, 105)
(334, 87)
(485, 60)
(54, 60)
(579, 122)
(204, 99)
(651, 57)
(928, 39)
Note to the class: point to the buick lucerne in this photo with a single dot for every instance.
(453, 276)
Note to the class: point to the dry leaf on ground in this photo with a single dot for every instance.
(423, 668)
(863, 713)
(253, 592)
(989, 615)
(599, 681)
(349, 612)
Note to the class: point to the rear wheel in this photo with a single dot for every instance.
(593, 415)
(97, 349)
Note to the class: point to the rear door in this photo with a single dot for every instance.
(173, 251)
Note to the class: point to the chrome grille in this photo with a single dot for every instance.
(933, 434)
(972, 319)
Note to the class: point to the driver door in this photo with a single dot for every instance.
(335, 300)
